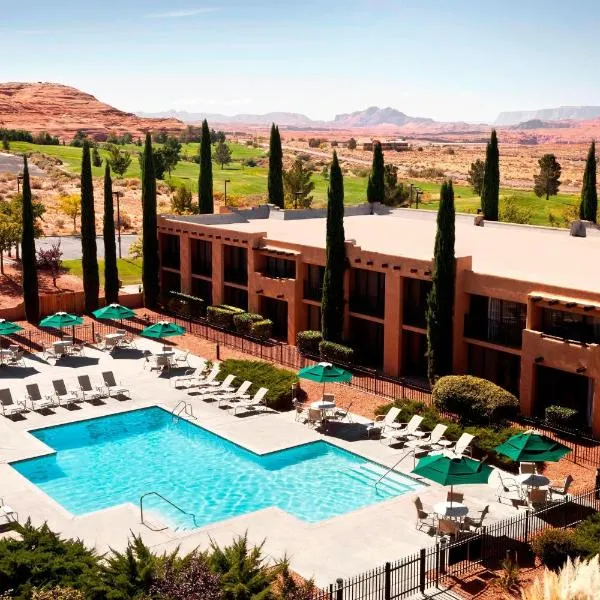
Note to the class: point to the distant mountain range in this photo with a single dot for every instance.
(370, 117)
(560, 113)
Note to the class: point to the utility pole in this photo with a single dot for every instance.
(118, 195)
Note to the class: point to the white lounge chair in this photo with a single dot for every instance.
(508, 488)
(462, 447)
(183, 381)
(430, 442)
(114, 389)
(182, 359)
(406, 431)
(212, 390)
(88, 392)
(206, 380)
(35, 398)
(240, 394)
(64, 397)
(257, 401)
(9, 407)
(383, 422)
(8, 513)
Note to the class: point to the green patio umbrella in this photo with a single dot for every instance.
(162, 329)
(325, 372)
(114, 312)
(532, 446)
(8, 328)
(61, 319)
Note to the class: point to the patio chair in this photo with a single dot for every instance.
(301, 409)
(35, 398)
(64, 397)
(527, 467)
(87, 390)
(447, 528)
(9, 407)
(508, 488)
(462, 447)
(183, 381)
(537, 498)
(77, 349)
(218, 387)
(315, 418)
(16, 357)
(342, 412)
(383, 422)
(455, 497)
(471, 523)
(114, 389)
(561, 490)
(405, 431)
(236, 396)
(257, 401)
(182, 358)
(423, 517)
(431, 442)
(8, 513)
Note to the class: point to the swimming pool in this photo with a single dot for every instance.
(111, 460)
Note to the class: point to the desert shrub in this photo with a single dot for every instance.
(473, 400)
(562, 416)
(249, 162)
(554, 546)
(308, 342)
(220, 317)
(57, 593)
(361, 171)
(243, 322)
(426, 172)
(512, 212)
(181, 201)
(125, 220)
(262, 330)
(587, 536)
(336, 353)
(278, 381)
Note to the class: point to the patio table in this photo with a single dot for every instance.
(532, 480)
(61, 346)
(452, 510)
(323, 405)
(114, 336)
(167, 353)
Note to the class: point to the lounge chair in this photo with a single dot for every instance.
(423, 517)
(157, 363)
(406, 430)
(183, 381)
(431, 442)
(64, 397)
(87, 390)
(471, 523)
(508, 488)
(8, 513)
(35, 398)
(383, 422)
(114, 389)
(215, 388)
(462, 447)
(258, 400)
(537, 498)
(206, 380)
(240, 394)
(561, 490)
(9, 407)
(182, 359)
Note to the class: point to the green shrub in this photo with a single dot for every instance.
(187, 305)
(219, 317)
(587, 536)
(243, 322)
(336, 353)
(562, 416)
(232, 309)
(278, 381)
(308, 342)
(263, 330)
(57, 593)
(473, 400)
(554, 546)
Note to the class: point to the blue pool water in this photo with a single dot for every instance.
(112, 460)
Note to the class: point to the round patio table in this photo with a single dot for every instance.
(114, 336)
(533, 480)
(323, 405)
(453, 510)
(165, 353)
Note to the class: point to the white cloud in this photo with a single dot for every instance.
(177, 14)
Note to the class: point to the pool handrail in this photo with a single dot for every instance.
(153, 493)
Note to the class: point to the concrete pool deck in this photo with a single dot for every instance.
(338, 547)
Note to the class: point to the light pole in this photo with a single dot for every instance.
(226, 182)
(118, 195)
(19, 179)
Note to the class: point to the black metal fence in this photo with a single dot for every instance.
(440, 564)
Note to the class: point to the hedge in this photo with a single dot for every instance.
(308, 342)
(562, 416)
(336, 353)
(232, 309)
(187, 305)
(243, 322)
(219, 317)
(473, 400)
(262, 330)
(278, 381)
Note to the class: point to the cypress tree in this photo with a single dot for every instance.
(28, 263)
(275, 183)
(89, 259)
(332, 302)
(490, 190)
(111, 273)
(205, 179)
(376, 183)
(588, 209)
(440, 302)
(150, 263)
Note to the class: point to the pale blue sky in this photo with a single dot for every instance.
(445, 59)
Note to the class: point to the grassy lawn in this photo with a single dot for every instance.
(130, 271)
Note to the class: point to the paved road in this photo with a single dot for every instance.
(10, 163)
(71, 245)
(322, 154)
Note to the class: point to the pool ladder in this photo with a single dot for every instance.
(184, 512)
(185, 408)
(407, 453)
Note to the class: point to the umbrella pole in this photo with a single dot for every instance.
(451, 495)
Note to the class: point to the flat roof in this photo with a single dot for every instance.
(527, 253)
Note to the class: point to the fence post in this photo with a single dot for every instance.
(218, 351)
(597, 485)
(526, 526)
(339, 593)
(443, 543)
(575, 453)
(422, 571)
(388, 581)
(93, 332)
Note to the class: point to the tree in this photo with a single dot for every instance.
(71, 207)
(297, 185)
(588, 209)
(547, 181)
(475, 176)
(89, 258)
(275, 181)
(181, 201)
(78, 139)
(376, 183)
(351, 144)
(332, 302)
(440, 302)
(205, 180)
(51, 260)
(171, 152)
(28, 262)
(13, 209)
(490, 190)
(119, 160)
(136, 248)
(111, 271)
(96, 158)
(150, 262)
(395, 193)
(222, 154)
(5, 143)
(10, 233)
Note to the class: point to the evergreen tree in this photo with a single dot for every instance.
(376, 183)
(275, 183)
(150, 263)
(440, 302)
(28, 263)
(89, 259)
(547, 181)
(332, 303)
(205, 181)
(588, 208)
(490, 190)
(111, 273)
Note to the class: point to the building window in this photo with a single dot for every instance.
(367, 292)
(502, 368)
(280, 268)
(201, 288)
(201, 257)
(236, 264)
(313, 317)
(171, 282)
(495, 320)
(170, 251)
(313, 284)
(233, 296)
(366, 337)
(277, 311)
(414, 301)
(571, 326)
